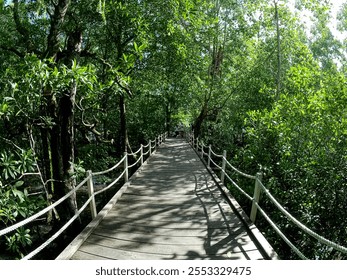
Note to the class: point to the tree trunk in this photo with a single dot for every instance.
(167, 117)
(199, 121)
(62, 151)
(60, 108)
(123, 133)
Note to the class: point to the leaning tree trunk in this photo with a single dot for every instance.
(199, 121)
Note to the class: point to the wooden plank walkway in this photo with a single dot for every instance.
(170, 209)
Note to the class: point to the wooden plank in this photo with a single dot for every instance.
(181, 232)
(151, 190)
(172, 215)
(203, 199)
(226, 246)
(114, 223)
(99, 251)
(182, 237)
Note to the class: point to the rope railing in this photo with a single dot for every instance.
(238, 171)
(238, 187)
(258, 188)
(91, 194)
(135, 153)
(136, 162)
(43, 211)
(110, 169)
(110, 185)
(315, 235)
(216, 155)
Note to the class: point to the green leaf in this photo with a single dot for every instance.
(18, 184)
(18, 194)
(136, 47)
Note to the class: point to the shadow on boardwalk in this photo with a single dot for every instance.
(171, 209)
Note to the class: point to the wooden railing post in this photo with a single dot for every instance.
(222, 176)
(90, 186)
(197, 144)
(141, 154)
(202, 150)
(256, 196)
(126, 173)
(150, 147)
(209, 156)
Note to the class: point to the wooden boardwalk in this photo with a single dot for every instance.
(171, 208)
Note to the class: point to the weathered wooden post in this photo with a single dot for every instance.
(150, 147)
(202, 150)
(224, 159)
(90, 186)
(209, 156)
(126, 171)
(141, 154)
(256, 196)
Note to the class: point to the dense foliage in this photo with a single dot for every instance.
(83, 81)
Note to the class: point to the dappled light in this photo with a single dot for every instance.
(172, 209)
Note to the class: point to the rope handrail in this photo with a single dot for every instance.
(135, 153)
(215, 164)
(254, 200)
(145, 146)
(110, 169)
(238, 171)
(110, 185)
(87, 179)
(280, 233)
(301, 225)
(59, 232)
(203, 151)
(238, 187)
(43, 211)
(138, 160)
(216, 155)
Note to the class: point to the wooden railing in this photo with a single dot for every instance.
(208, 155)
(88, 180)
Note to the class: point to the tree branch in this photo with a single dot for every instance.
(60, 9)
(19, 26)
(128, 40)
(13, 50)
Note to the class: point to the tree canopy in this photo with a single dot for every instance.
(84, 81)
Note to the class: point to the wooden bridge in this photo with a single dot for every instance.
(173, 207)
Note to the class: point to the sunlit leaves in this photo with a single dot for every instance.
(101, 9)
